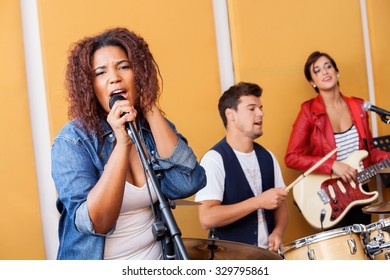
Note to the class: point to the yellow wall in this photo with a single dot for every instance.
(21, 232)
(379, 23)
(271, 41)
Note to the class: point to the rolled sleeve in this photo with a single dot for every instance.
(84, 223)
(182, 155)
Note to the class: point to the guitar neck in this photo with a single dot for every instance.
(371, 171)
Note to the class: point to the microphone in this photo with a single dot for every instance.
(129, 125)
(367, 106)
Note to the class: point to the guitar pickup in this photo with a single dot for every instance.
(323, 196)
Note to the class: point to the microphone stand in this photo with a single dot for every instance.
(173, 229)
(384, 119)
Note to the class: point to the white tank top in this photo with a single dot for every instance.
(133, 237)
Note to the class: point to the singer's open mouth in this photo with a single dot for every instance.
(118, 91)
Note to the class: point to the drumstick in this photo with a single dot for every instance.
(311, 169)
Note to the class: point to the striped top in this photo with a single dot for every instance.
(347, 142)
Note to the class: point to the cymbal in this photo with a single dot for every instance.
(215, 249)
(377, 208)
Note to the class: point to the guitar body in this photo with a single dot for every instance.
(329, 198)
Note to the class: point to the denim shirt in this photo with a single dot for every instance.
(78, 161)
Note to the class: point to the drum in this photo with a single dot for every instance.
(344, 243)
(376, 240)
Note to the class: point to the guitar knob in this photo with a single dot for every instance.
(335, 201)
(333, 217)
(335, 209)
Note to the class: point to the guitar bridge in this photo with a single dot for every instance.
(323, 196)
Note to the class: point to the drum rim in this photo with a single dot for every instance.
(380, 224)
(308, 240)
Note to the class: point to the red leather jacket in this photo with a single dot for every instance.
(312, 138)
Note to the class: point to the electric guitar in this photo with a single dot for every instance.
(324, 200)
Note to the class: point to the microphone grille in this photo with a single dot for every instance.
(366, 106)
(114, 99)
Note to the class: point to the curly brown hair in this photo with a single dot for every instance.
(84, 107)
